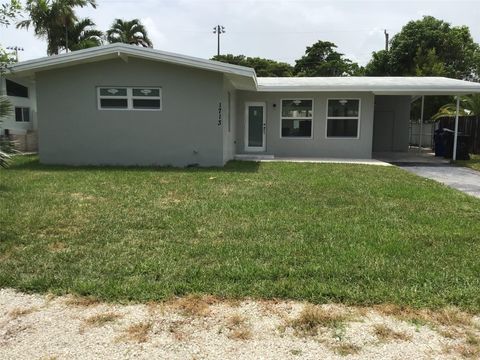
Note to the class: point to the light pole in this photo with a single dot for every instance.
(219, 29)
(16, 49)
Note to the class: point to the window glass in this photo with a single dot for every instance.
(297, 118)
(22, 114)
(127, 98)
(18, 114)
(255, 126)
(15, 89)
(26, 114)
(114, 103)
(343, 108)
(146, 92)
(342, 128)
(113, 92)
(296, 128)
(297, 108)
(146, 103)
(343, 118)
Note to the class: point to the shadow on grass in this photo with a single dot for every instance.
(32, 163)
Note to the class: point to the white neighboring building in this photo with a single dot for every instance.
(21, 126)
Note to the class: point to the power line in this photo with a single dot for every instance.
(16, 49)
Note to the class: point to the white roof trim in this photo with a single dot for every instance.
(114, 50)
(377, 85)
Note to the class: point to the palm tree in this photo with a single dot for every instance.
(51, 20)
(469, 106)
(128, 32)
(81, 35)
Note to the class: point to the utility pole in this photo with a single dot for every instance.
(386, 39)
(66, 38)
(16, 49)
(219, 29)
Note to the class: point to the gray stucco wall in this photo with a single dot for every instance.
(73, 131)
(229, 120)
(319, 145)
(391, 121)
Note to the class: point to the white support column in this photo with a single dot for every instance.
(456, 129)
(421, 125)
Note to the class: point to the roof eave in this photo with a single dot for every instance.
(117, 50)
(386, 91)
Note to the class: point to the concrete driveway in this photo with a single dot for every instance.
(460, 178)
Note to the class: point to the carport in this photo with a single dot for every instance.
(392, 109)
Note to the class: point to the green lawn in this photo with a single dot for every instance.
(473, 163)
(320, 232)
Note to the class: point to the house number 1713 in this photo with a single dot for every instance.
(219, 114)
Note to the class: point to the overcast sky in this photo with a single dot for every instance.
(275, 29)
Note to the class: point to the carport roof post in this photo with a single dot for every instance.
(455, 138)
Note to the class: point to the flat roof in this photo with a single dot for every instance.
(379, 85)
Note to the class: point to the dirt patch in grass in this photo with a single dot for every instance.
(464, 350)
(194, 305)
(445, 317)
(82, 301)
(239, 328)
(176, 328)
(57, 246)
(345, 349)
(201, 326)
(385, 333)
(137, 332)
(19, 312)
(314, 317)
(101, 319)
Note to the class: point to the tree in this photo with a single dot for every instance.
(263, 67)
(9, 11)
(82, 35)
(321, 59)
(5, 111)
(427, 63)
(379, 65)
(52, 19)
(428, 47)
(469, 106)
(128, 32)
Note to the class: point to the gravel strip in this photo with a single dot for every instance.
(48, 327)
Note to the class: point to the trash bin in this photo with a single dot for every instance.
(463, 145)
(439, 142)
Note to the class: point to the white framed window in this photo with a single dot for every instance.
(296, 118)
(22, 114)
(129, 98)
(343, 118)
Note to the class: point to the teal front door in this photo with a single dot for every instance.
(255, 126)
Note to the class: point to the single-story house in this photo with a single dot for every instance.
(124, 105)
